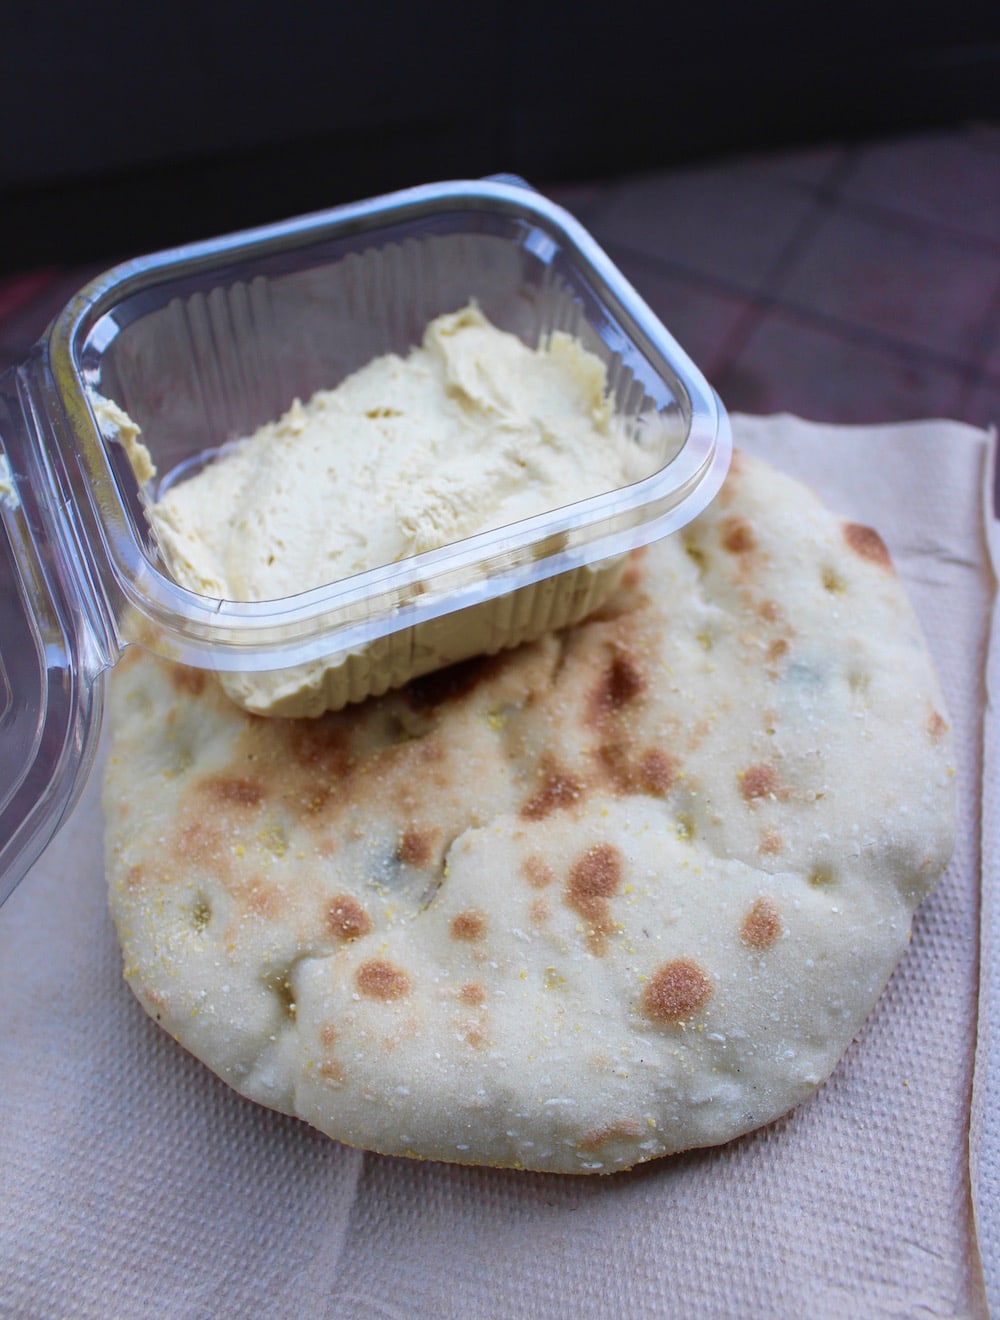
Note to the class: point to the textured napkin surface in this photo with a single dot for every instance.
(132, 1182)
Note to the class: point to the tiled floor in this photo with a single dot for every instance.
(847, 283)
(850, 283)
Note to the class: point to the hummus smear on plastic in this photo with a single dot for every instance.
(471, 431)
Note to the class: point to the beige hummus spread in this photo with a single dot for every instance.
(471, 431)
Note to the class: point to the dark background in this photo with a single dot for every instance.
(128, 128)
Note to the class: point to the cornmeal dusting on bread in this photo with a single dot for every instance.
(676, 991)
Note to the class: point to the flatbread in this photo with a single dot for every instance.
(627, 890)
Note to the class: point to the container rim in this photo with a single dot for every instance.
(268, 634)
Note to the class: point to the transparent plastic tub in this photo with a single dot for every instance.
(205, 343)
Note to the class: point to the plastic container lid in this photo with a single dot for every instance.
(203, 344)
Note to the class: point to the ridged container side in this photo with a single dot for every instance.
(199, 363)
(391, 661)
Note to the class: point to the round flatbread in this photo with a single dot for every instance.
(627, 890)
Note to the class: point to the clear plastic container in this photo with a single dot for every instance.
(203, 344)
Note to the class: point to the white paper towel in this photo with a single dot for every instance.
(133, 1183)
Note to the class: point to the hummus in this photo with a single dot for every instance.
(470, 432)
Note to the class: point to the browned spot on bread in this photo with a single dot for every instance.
(469, 925)
(416, 847)
(380, 979)
(613, 758)
(314, 800)
(626, 1129)
(327, 1034)
(633, 574)
(771, 843)
(558, 790)
(537, 872)
(320, 746)
(199, 844)
(737, 536)
(157, 1001)
(476, 1037)
(264, 901)
(777, 649)
(136, 877)
(621, 683)
(189, 681)
(592, 881)
(676, 991)
(937, 725)
(758, 781)
(233, 790)
(698, 733)
(346, 918)
(540, 910)
(867, 543)
(451, 683)
(473, 993)
(769, 611)
(657, 772)
(654, 772)
(331, 1070)
(761, 925)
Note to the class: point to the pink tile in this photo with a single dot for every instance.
(729, 224)
(991, 342)
(946, 179)
(815, 167)
(983, 405)
(16, 291)
(789, 364)
(701, 318)
(896, 280)
(985, 134)
(24, 322)
(580, 199)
